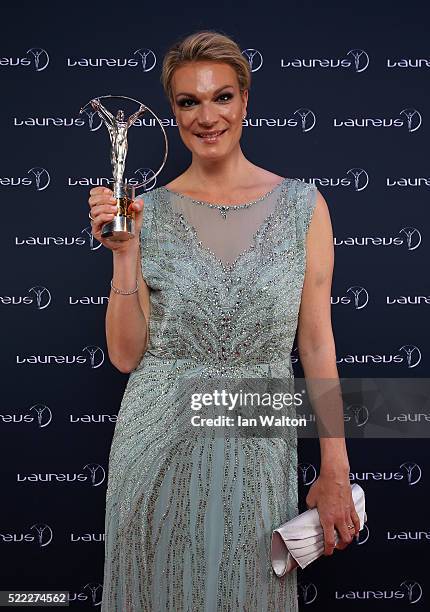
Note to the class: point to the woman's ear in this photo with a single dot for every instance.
(245, 101)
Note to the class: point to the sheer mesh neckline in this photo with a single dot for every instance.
(225, 206)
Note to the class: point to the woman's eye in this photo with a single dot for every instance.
(184, 101)
(229, 96)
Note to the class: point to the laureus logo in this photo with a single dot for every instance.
(43, 534)
(363, 535)
(413, 590)
(97, 473)
(92, 473)
(147, 59)
(307, 119)
(147, 174)
(361, 296)
(413, 118)
(39, 57)
(93, 242)
(254, 57)
(307, 592)
(358, 413)
(409, 117)
(361, 178)
(413, 472)
(38, 295)
(93, 119)
(413, 237)
(41, 178)
(43, 414)
(42, 295)
(355, 58)
(95, 590)
(96, 354)
(409, 591)
(143, 58)
(308, 473)
(413, 355)
(361, 59)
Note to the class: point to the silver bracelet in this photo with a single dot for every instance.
(124, 292)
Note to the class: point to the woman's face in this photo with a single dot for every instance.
(207, 99)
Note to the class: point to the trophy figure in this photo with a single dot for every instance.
(122, 226)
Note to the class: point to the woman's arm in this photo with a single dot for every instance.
(315, 334)
(332, 491)
(127, 316)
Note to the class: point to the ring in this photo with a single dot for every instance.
(89, 214)
(350, 526)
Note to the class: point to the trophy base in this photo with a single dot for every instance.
(120, 229)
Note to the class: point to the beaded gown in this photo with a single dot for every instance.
(189, 518)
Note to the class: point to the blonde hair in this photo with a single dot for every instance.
(206, 45)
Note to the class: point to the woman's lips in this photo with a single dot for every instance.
(211, 139)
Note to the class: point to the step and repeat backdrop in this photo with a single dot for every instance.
(339, 97)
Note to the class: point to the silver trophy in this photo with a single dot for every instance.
(122, 226)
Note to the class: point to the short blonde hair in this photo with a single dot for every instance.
(206, 45)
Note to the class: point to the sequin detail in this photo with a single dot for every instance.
(188, 518)
(225, 208)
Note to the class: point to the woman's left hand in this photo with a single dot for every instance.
(332, 496)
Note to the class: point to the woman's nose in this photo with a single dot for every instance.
(207, 114)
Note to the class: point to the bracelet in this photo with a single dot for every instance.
(124, 292)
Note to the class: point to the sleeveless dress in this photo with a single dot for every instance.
(189, 517)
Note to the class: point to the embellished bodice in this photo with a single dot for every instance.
(225, 280)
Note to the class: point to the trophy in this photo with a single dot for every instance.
(122, 226)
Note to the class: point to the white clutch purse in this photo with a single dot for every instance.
(300, 540)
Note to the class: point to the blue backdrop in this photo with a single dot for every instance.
(339, 97)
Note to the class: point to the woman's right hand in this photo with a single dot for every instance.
(103, 208)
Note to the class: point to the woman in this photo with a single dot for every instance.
(215, 285)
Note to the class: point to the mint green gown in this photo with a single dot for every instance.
(189, 518)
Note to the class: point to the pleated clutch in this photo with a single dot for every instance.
(300, 540)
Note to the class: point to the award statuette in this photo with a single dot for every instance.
(122, 226)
